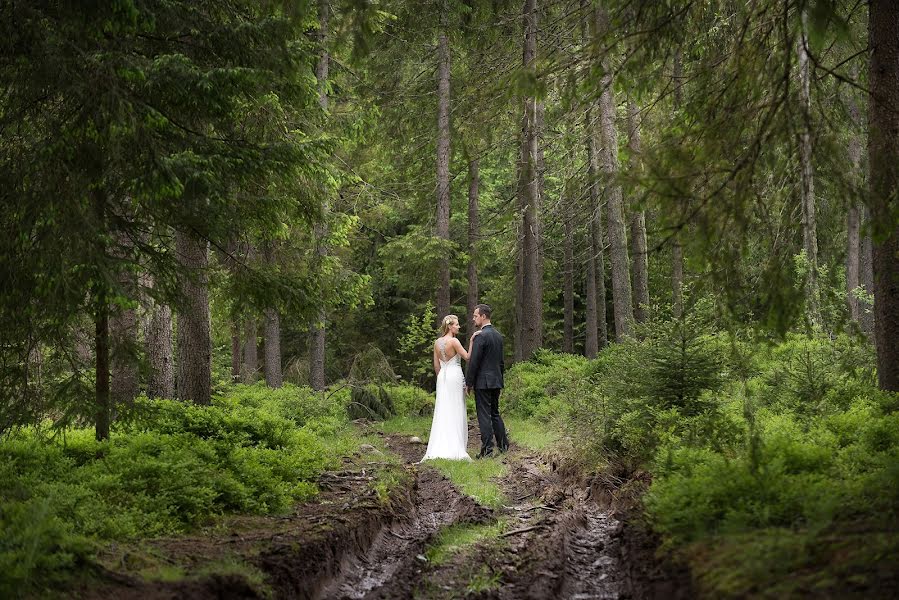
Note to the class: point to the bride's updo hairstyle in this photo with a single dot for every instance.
(447, 321)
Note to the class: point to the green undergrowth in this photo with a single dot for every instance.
(168, 468)
(767, 459)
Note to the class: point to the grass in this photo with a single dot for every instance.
(475, 478)
(419, 426)
(531, 434)
(457, 538)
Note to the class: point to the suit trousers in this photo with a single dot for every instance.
(486, 403)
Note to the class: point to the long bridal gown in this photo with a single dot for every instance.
(449, 429)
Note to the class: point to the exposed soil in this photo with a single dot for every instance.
(562, 538)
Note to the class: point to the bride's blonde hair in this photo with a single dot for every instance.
(447, 321)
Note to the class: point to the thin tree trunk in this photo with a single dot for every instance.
(473, 197)
(852, 262)
(621, 280)
(250, 369)
(866, 273)
(639, 254)
(236, 351)
(809, 225)
(101, 346)
(529, 199)
(595, 297)
(318, 327)
(677, 251)
(194, 342)
(853, 218)
(443, 161)
(273, 376)
(883, 158)
(568, 277)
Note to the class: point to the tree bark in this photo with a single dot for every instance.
(621, 280)
(473, 197)
(250, 369)
(443, 160)
(236, 352)
(123, 339)
(639, 254)
(853, 217)
(595, 297)
(677, 251)
(809, 225)
(194, 343)
(158, 343)
(883, 157)
(866, 273)
(273, 376)
(568, 277)
(101, 386)
(318, 327)
(529, 199)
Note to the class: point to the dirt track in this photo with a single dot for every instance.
(557, 542)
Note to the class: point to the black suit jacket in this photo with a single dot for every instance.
(486, 365)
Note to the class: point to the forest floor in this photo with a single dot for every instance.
(387, 527)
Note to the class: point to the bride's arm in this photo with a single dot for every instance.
(461, 350)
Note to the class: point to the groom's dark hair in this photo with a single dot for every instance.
(484, 310)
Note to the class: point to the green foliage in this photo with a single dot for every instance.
(415, 345)
(169, 467)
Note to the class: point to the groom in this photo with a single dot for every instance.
(485, 376)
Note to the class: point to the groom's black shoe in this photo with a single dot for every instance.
(483, 454)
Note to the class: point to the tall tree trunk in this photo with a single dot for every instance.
(621, 280)
(853, 218)
(866, 273)
(852, 262)
(529, 200)
(101, 386)
(273, 375)
(639, 254)
(677, 251)
(318, 327)
(123, 338)
(157, 326)
(568, 277)
(443, 161)
(194, 343)
(473, 197)
(250, 369)
(236, 351)
(883, 158)
(595, 297)
(809, 226)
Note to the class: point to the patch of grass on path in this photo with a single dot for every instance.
(457, 538)
(475, 479)
(419, 426)
(531, 434)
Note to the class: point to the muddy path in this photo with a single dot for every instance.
(559, 538)
(556, 535)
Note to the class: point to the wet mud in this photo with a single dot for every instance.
(562, 536)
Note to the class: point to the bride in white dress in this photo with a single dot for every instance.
(449, 429)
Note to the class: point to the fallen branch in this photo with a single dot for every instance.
(524, 530)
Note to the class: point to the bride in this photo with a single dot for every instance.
(449, 429)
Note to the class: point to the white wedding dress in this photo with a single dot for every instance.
(449, 429)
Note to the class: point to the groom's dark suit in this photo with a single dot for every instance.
(485, 375)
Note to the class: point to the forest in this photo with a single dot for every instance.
(231, 231)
